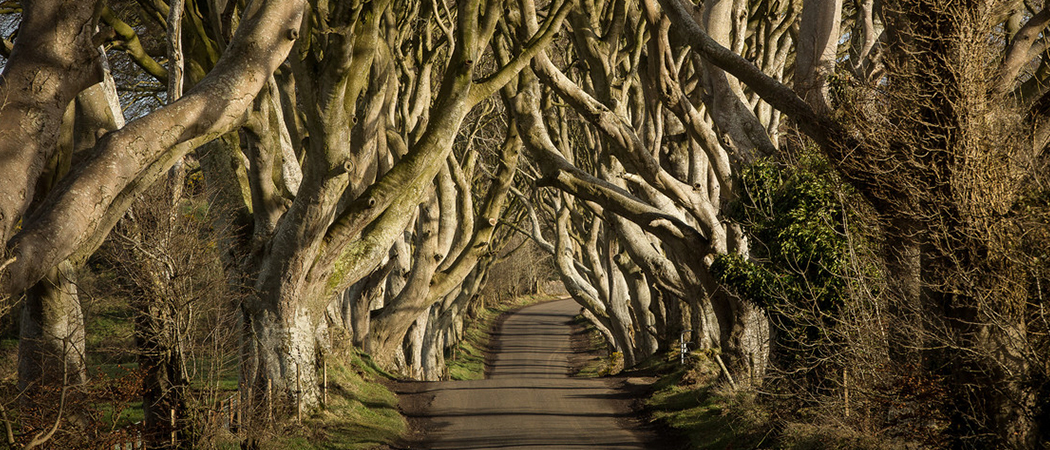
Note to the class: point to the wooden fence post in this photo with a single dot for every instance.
(269, 398)
(298, 397)
(845, 389)
(246, 405)
(173, 427)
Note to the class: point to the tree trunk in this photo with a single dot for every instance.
(433, 351)
(361, 310)
(164, 382)
(817, 50)
(903, 327)
(622, 322)
(414, 342)
(51, 338)
(447, 329)
(357, 302)
(644, 319)
(741, 328)
(53, 60)
(390, 324)
(726, 101)
(280, 359)
(661, 319)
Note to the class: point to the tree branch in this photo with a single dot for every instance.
(560, 173)
(133, 46)
(485, 88)
(74, 213)
(818, 127)
(1017, 53)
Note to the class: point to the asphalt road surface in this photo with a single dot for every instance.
(529, 401)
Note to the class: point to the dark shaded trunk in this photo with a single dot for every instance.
(360, 307)
(164, 379)
(903, 275)
(51, 339)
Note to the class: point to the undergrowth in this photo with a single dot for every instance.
(694, 401)
(691, 400)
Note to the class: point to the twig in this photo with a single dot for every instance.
(8, 262)
(40, 439)
(725, 370)
(7, 426)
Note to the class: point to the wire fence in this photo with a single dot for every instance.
(226, 414)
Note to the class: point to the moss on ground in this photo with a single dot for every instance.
(361, 412)
(694, 401)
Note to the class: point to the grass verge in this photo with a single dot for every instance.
(592, 357)
(361, 412)
(691, 401)
(695, 403)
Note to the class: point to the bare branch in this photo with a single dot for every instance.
(485, 88)
(133, 46)
(8, 431)
(781, 97)
(42, 437)
(1018, 52)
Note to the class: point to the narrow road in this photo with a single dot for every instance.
(529, 401)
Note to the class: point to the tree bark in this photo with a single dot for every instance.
(54, 58)
(51, 335)
(817, 51)
(389, 326)
(645, 329)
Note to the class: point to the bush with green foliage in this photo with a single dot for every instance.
(797, 270)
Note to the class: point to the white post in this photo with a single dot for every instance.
(684, 346)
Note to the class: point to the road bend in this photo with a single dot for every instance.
(529, 401)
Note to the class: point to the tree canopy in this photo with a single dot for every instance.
(819, 193)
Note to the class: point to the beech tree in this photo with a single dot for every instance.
(914, 121)
(651, 190)
(897, 99)
(343, 229)
(329, 192)
(60, 43)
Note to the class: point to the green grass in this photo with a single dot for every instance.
(131, 413)
(8, 359)
(466, 361)
(602, 362)
(108, 326)
(361, 412)
(712, 416)
(692, 401)
(114, 370)
(109, 323)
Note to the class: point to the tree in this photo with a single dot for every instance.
(675, 199)
(315, 236)
(913, 132)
